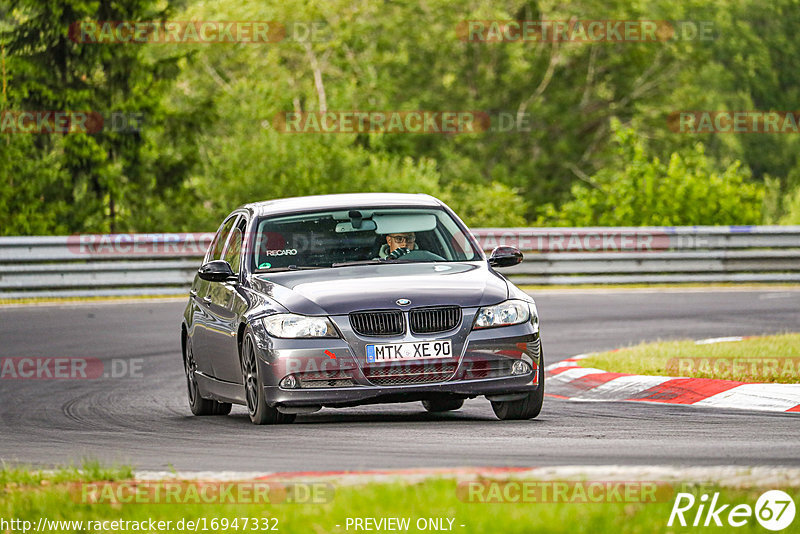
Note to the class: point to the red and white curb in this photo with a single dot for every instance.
(729, 476)
(568, 380)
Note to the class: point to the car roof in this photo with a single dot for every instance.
(341, 201)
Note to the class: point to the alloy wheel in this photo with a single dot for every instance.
(250, 373)
(191, 379)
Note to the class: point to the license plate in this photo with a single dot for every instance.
(418, 350)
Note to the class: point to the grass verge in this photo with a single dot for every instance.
(758, 359)
(24, 477)
(28, 496)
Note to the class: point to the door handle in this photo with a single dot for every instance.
(193, 292)
(207, 299)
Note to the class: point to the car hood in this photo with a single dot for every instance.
(341, 290)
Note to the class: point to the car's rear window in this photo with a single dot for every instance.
(322, 239)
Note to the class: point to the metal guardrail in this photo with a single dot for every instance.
(605, 255)
(164, 264)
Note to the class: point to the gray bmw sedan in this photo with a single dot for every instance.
(342, 300)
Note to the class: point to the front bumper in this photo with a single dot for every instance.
(343, 397)
(334, 372)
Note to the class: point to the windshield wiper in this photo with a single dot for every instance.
(292, 268)
(361, 262)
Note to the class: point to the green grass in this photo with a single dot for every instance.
(25, 477)
(29, 496)
(758, 359)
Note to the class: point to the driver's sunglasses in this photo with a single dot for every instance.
(403, 238)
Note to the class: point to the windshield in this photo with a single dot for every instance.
(369, 235)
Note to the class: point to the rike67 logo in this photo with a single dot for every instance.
(774, 510)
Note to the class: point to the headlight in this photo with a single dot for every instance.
(290, 325)
(503, 314)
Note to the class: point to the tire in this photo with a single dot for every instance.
(442, 405)
(197, 403)
(260, 413)
(527, 408)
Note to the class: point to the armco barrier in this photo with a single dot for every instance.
(162, 264)
(605, 255)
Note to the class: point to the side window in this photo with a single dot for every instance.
(233, 254)
(215, 250)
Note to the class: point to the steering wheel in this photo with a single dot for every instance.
(414, 255)
(397, 253)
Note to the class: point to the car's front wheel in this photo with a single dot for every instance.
(258, 409)
(526, 408)
(442, 405)
(198, 404)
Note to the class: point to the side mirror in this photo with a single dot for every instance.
(216, 271)
(505, 257)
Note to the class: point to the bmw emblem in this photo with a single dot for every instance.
(403, 302)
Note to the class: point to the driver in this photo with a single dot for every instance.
(398, 244)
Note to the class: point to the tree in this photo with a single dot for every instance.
(105, 175)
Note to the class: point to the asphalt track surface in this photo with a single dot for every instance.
(146, 422)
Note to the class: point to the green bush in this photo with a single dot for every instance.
(791, 206)
(640, 190)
